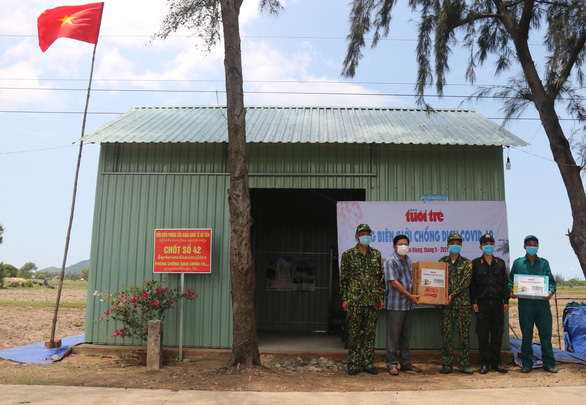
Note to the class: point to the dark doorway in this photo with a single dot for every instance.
(294, 241)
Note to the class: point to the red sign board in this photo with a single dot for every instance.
(183, 251)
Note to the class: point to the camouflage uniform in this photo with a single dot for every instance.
(457, 312)
(362, 284)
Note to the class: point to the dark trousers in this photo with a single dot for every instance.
(490, 319)
(362, 322)
(538, 313)
(399, 326)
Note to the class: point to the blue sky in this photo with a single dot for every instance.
(300, 51)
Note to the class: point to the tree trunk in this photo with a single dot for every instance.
(571, 177)
(243, 278)
(560, 147)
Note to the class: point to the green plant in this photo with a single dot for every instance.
(135, 306)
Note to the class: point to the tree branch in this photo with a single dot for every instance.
(476, 17)
(565, 72)
(525, 21)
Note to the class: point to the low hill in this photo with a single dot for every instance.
(74, 268)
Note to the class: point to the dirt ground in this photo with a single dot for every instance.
(21, 324)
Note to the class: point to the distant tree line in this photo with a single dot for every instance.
(30, 271)
(573, 282)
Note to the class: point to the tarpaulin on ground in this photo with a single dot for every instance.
(38, 354)
(560, 355)
(575, 330)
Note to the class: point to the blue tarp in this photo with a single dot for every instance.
(37, 353)
(560, 355)
(575, 330)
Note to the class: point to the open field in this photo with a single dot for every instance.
(27, 314)
(565, 295)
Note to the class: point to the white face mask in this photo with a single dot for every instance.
(402, 250)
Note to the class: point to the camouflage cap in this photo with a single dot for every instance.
(485, 238)
(363, 227)
(454, 236)
(530, 237)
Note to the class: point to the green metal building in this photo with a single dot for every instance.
(167, 167)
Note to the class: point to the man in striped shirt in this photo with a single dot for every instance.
(399, 305)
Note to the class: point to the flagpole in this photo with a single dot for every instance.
(87, 101)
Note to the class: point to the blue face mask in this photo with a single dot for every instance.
(531, 250)
(488, 249)
(455, 249)
(365, 240)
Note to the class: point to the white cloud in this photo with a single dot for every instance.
(277, 73)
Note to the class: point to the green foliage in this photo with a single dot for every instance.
(1, 234)
(85, 274)
(9, 270)
(559, 278)
(72, 276)
(574, 282)
(40, 276)
(26, 271)
(487, 29)
(203, 17)
(135, 306)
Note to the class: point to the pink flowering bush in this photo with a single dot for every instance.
(135, 306)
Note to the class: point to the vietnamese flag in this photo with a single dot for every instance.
(76, 22)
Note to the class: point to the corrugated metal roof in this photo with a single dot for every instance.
(306, 125)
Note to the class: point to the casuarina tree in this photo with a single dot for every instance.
(206, 17)
(500, 30)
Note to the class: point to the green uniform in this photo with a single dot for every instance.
(534, 312)
(457, 313)
(362, 284)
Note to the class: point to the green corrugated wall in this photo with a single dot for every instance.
(141, 187)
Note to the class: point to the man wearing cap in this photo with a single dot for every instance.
(457, 310)
(362, 286)
(489, 295)
(399, 307)
(534, 311)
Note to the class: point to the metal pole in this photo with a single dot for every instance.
(54, 325)
(181, 318)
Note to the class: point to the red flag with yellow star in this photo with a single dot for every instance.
(76, 22)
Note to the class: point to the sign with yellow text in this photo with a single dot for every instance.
(183, 251)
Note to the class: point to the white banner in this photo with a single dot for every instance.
(427, 225)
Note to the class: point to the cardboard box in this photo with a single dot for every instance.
(529, 286)
(430, 281)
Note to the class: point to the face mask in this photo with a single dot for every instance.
(402, 250)
(488, 249)
(455, 249)
(365, 240)
(532, 250)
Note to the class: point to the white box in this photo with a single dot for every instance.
(530, 286)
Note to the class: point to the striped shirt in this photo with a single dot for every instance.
(402, 271)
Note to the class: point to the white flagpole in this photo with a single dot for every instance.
(54, 325)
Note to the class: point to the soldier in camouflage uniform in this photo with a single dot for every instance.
(362, 286)
(457, 311)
